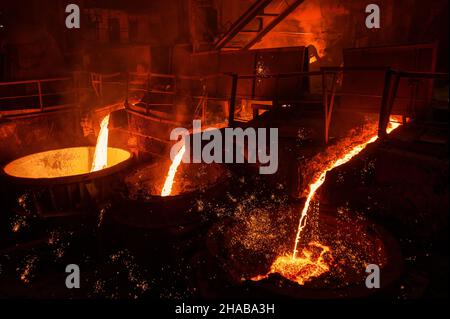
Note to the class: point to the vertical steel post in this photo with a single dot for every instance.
(325, 105)
(234, 82)
(384, 102)
(41, 103)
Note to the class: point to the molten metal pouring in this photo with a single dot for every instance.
(316, 184)
(302, 268)
(167, 188)
(101, 149)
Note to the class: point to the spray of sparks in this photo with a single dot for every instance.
(101, 149)
(304, 265)
(314, 260)
(313, 187)
(167, 188)
(26, 273)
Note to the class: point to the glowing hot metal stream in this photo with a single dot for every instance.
(309, 264)
(101, 149)
(315, 185)
(167, 189)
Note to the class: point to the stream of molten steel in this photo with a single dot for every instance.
(315, 258)
(314, 186)
(167, 188)
(100, 160)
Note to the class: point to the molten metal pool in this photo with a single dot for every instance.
(62, 163)
(62, 181)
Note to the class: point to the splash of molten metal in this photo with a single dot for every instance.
(306, 265)
(101, 149)
(313, 262)
(167, 188)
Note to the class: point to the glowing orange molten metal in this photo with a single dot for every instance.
(167, 188)
(301, 268)
(101, 149)
(313, 187)
(313, 262)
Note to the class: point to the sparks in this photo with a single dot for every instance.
(313, 262)
(315, 259)
(16, 227)
(319, 181)
(101, 149)
(315, 186)
(167, 189)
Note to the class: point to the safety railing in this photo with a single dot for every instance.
(209, 97)
(156, 94)
(332, 79)
(37, 96)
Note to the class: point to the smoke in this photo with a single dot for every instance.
(316, 23)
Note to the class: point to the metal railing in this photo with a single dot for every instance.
(387, 95)
(145, 92)
(37, 96)
(149, 92)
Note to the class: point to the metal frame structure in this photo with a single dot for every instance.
(391, 83)
(37, 104)
(392, 80)
(256, 12)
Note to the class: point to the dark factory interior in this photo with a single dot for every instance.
(209, 149)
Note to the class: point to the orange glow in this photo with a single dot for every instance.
(61, 162)
(167, 189)
(394, 122)
(309, 25)
(304, 265)
(101, 149)
(313, 187)
(314, 261)
(16, 227)
(25, 274)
